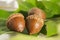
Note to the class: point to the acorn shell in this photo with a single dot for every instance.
(34, 24)
(16, 22)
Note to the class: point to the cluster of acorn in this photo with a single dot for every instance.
(34, 22)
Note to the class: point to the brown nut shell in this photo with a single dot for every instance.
(16, 22)
(38, 12)
(34, 24)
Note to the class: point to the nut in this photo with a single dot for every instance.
(16, 22)
(38, 12)
(34, 24)
(35, 20)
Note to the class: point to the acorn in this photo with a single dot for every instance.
(34, 24)
(38, 12)
(16, 22)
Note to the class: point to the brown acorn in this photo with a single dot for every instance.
(16, 22)
(38, 12)
(34, 24)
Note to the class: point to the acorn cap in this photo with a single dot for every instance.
(38, 12)
(15, 15)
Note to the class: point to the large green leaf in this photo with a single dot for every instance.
(40, 5)
(55, 1)
(26, 5)
(4, 14)
(50, 8)
(33, 2)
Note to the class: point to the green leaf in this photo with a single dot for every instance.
(49, 7)
(4, 14)
(3, 27)
(51, 27)
(40, 5)
(55, 1)
(26, 5)
(33, 2)
(52, 6)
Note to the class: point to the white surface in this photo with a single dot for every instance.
(8, 5)
(4, 37)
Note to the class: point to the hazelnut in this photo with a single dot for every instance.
(16, 22)
(38, 12)
(34, 24)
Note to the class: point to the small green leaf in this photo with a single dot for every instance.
(51, 27)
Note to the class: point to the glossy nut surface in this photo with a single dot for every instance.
(38, 12)
(34, 24)
(16, 22)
